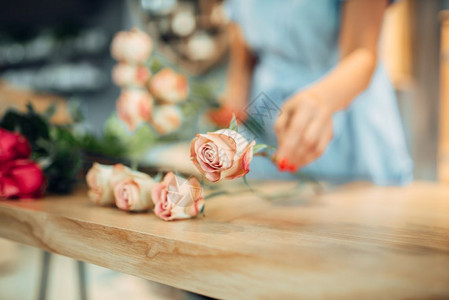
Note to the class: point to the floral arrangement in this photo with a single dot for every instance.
(146, 98)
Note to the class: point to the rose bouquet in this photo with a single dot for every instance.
(54, 148)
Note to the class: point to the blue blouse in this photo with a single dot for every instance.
(296, 44)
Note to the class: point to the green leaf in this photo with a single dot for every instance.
(75, 112)
(259, 147)
(263, 147)
(50, 111)
(234, 126)
(155, 65)
(245, 180)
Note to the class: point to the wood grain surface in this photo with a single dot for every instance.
(356, 241)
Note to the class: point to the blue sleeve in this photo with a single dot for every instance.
(231, 8)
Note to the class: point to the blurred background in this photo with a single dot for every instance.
(58, 52)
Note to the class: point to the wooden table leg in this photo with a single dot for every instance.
(82, 279)
(43, 286)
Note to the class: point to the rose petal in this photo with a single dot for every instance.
(214, 177)
(241, 166)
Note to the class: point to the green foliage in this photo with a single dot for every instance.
(66, 159)
(107, 145)
(58, 149)
(33, 126)
(133, 144)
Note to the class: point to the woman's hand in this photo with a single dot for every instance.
(304, 129)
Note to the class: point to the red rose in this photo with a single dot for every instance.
(21, 178)
(13, 146)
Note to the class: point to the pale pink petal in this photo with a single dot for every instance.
(214, 177)
(156, 192)
(241, 166)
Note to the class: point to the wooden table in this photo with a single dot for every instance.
(353, 242)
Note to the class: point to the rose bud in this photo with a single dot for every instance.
(169, 86)
(130, 75)
(132, 189)
(132, 46)
(177, 198)
(21, 178)
(134, 106)
(98, 180)
(13, 146)
(166, 119)
(221, 154)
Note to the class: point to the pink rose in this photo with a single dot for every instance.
(169, 86)
(177, 198)
(98, 180)
(132, 189)
(166, 119)
(21, 178)
(125, 74)
(132, 46)
(134, 106)
(221, 154)
(13, 146)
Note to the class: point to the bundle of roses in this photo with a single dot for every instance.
(173, 198)
(146, 98)
(20, 177)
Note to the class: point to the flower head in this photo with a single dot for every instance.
(177, 198)
(221, 154)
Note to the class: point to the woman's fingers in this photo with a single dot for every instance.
(303, 130)
(282, 121)
(291, 133)
(309, 142)
(323, 139)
